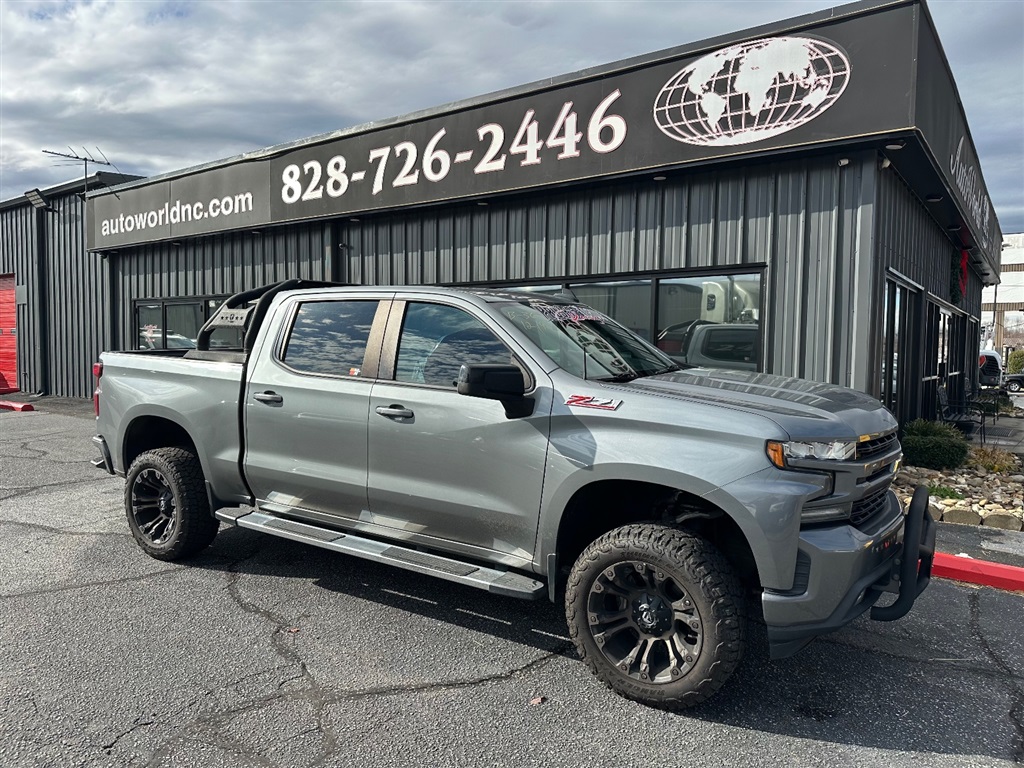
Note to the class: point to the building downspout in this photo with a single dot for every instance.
(42, 287)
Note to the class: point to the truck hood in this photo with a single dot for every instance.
(804, 409)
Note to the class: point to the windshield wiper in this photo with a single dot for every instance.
(633, 375)
(620, 377)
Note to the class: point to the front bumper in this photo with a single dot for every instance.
(846, 571)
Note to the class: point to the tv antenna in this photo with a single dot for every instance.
(85, 158)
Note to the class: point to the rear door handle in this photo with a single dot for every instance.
(271, 398)
(394, 412)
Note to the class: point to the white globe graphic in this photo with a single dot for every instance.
(752, 91)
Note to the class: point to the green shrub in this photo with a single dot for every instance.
(1015, 362)
(934, 452)
(933, 445)
(925, 428)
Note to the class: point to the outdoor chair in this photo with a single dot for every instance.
(987, 398)
(965, 416)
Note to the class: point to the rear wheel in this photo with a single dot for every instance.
(165, 499)
(657, 614)
(1013, 386)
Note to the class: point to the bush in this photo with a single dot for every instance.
(925, 428)
(1015, 362)
(933, 445)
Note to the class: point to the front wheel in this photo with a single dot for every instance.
(1013, 386)
(657, 614)
(165, 499)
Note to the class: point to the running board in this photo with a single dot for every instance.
(500, 582)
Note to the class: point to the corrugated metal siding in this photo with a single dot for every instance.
(64, 320)
(799, 218)
(910, 241)
(220, 265)
(18, 236)
(78, 301)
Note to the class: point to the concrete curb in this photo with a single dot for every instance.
(978, 572)
(8, 405)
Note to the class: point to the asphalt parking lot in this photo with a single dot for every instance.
(263, 652)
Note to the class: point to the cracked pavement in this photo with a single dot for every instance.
(264, 652)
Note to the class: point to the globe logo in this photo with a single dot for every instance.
(752, 91)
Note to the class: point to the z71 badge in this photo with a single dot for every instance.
(586, 401)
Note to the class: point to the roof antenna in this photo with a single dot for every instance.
(85, 180)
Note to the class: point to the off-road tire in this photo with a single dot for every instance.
(166, 503)
(714, 615)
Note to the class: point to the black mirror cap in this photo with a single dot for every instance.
(492, 381)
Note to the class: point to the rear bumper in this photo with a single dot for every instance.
(847, 573)
(104, 462)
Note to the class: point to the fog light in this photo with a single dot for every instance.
(825, 514)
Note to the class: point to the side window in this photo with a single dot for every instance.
(329, 337)
(437, 340)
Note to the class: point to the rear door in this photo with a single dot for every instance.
(445, 467)
(306, 405)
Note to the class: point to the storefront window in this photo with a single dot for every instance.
(183, 324)
(175, 324)
(628, 302)
(150, 322)
(686, 308)
(711, 320)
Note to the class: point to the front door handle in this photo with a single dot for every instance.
(271, 398)
(394, 412)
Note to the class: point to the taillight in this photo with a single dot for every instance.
(97, 371)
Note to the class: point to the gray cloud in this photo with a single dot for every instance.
(163, 86)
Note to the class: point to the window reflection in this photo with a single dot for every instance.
(329, 337)
(626, 301)
(712, 320)
(437, 340)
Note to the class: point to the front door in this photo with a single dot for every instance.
(446, 467)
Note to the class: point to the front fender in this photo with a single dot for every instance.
(765, 506)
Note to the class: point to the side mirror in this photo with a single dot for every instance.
(497, 382)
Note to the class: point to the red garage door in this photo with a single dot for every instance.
(8, 339)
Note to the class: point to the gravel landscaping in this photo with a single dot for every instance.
(994, 499)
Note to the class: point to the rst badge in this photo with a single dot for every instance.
(586, 401)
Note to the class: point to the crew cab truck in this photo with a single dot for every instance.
(522, 443)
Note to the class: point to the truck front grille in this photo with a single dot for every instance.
(867, 508)
(876, 447)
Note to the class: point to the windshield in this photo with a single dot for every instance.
(584, 342)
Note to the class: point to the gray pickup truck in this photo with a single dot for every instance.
(523, 444)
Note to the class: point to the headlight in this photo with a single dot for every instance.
(835, 450)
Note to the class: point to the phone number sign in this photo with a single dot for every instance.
(526, 143)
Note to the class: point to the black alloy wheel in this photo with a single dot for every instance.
(644, 622)
(153, 506)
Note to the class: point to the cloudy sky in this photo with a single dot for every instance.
(160, 86)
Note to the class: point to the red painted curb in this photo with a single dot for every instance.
(978, 572)
(7, 405)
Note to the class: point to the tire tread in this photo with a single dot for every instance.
(715, 580)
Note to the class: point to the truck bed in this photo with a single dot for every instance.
(201, 396)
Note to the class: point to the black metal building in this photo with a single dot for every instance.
(811, 188)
